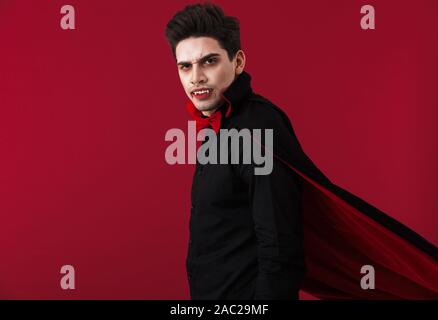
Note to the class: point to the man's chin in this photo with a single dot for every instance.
(204, 108)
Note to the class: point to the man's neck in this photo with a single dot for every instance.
(208, 113)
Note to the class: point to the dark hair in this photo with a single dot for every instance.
(204, 20)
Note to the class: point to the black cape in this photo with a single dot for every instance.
(343, 233)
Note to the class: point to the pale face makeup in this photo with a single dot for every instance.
(206, 71)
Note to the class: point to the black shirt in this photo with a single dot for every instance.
(246, 237)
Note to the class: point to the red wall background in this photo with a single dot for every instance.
(83, 114)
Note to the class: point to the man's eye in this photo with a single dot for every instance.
(210, 61)
(184, 66)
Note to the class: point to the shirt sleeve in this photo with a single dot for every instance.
(275, 201)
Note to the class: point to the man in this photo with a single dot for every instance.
(246, 230)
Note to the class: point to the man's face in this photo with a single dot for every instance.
(205, 71)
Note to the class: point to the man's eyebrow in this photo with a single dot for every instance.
(202, 59)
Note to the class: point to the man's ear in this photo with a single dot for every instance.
(240, 62)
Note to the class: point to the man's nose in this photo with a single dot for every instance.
(198, 75)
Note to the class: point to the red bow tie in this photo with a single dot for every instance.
(214, 121)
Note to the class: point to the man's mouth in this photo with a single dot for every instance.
(202, 93)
